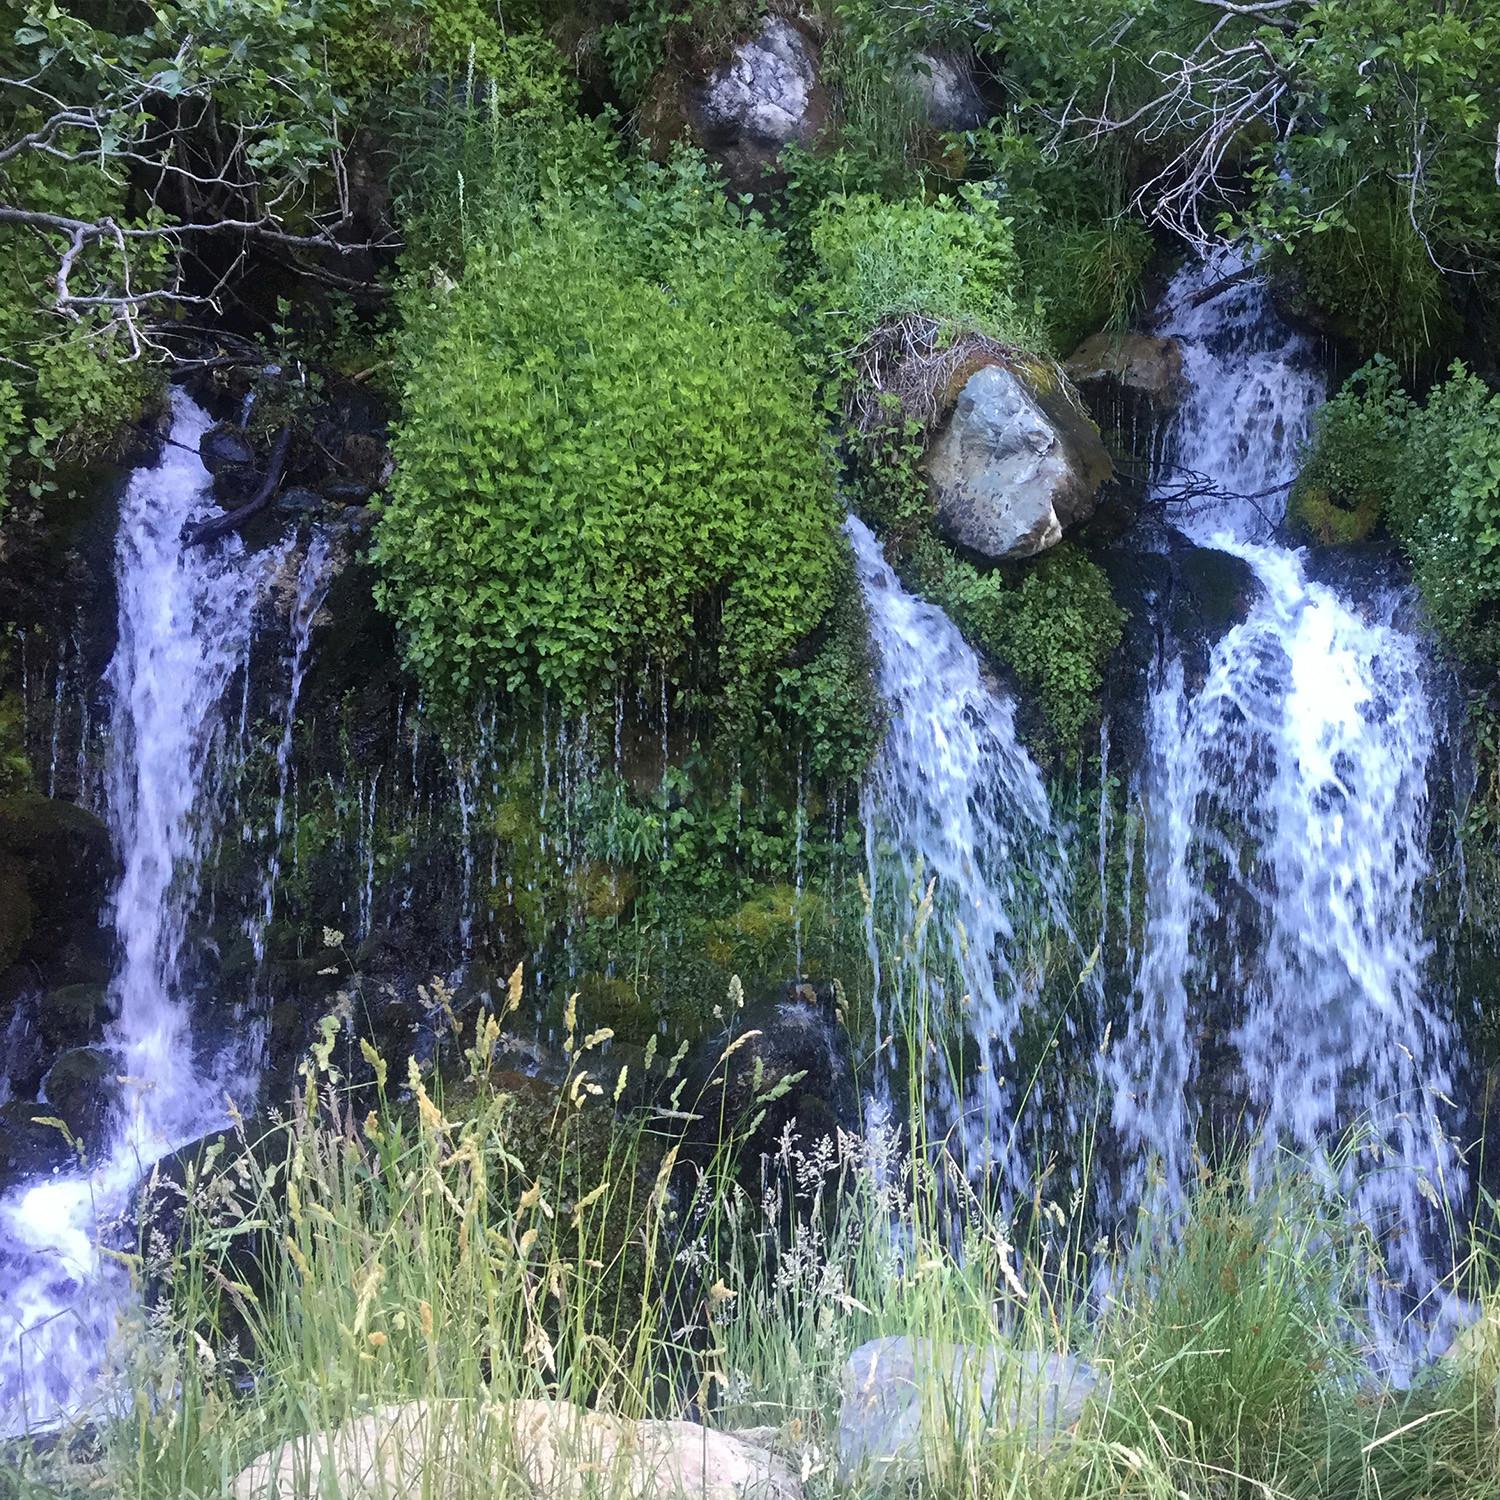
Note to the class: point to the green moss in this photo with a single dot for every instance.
(1051, 621)
(15, 765)
(1314, 512)
(606, 1000)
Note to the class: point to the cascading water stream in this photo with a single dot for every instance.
(1290, 824)
(184, 634)
(953, 801)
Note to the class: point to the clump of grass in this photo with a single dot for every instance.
(390, 1240)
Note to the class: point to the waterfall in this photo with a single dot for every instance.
(954, 802)
(184, 634)
(1289, 835)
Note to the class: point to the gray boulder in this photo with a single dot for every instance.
(1017, 462)
(766, 95)
(949, 95)
(765, 90)
(899, 1392)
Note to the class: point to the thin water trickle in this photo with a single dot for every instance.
(313, 579)
(184, 633)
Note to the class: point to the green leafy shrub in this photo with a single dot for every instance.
(1342, 490)
(609, 452)
(1371, 279)
(1434, 473)
(378, 44)
(826, 700)
(1082, 257)
(952, 261)
(69, 381)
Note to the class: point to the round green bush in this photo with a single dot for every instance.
(609, 453)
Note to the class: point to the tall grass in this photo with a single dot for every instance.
(392, 1240)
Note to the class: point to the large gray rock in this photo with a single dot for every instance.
(949, 95)
(901, 1393)
(548, 1449)
(1017, 462)
(764, 96)
(764, 93)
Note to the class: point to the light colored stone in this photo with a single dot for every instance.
(900, 1394)
(765, 89)
(950, 98)
(1016, 464)
(546, 1450)
(1137, 362)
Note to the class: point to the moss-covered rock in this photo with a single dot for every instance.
(782, 1063)
(1017, 463)
(62, 854)
(1314, 512)
(71, 1015)
(83, 1091)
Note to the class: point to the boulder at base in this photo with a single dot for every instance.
(901, 1393)
(1017, 462)
(783, 1062)
(944, 82)
(555, 1451)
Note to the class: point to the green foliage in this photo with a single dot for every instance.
(608, 453)
(886, 481)
(952, 261)
(381, 43)
(130, 120)
(650, 36)
(1053, 622)
(1434, 473)
(69, 380)
(1082, 257)
(1343, 487)
(825, 700)
(15, 764)
(1371, 278)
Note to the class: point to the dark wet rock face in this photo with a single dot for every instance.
(56, 871)
(30, 1148)
(83, 1090)
(1179, 598)
(783, 1064)
(226, 447)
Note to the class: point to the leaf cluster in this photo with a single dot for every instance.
(609, 452)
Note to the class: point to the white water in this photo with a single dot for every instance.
(184, 633)
(1289, 832)
(953, 801)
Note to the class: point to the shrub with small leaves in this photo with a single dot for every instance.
(609, 452)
